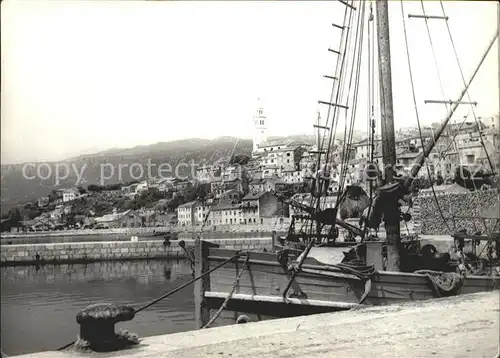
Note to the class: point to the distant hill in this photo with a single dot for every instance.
(17, 190)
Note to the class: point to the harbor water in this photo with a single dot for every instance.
(40, 303)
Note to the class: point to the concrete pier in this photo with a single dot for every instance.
(461, 326)
(75, 252)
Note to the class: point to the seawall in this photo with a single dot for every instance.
(151, 230)
(75, 252)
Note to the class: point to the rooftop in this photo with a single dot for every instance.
(225, 206)
(408, 155)
(111, 217)
(188, 204)
(253, 196)
(273, 144)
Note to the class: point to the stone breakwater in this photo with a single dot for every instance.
(75, 252)
(456, 204)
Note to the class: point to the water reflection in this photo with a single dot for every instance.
(39, 303)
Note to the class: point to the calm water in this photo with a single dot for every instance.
(39, 305)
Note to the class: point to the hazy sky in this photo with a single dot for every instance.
(85, 76)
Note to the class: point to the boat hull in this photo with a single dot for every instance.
(317, 288)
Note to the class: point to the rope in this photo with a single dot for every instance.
(357, 268)
(443, 154)
(224, 304)
(418, 119)
(354, 74)
(187, 283)
(339, 71)
(173, 291)
(468, 95)
(434, 57)
(371, 109)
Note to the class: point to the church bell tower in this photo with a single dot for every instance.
(260, 126)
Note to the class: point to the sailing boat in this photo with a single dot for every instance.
(374, 271)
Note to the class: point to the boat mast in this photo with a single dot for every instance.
(385, 81)
(391, 210)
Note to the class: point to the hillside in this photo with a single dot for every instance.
(16, 190)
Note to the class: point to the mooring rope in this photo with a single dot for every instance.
(357, 268)
(224, 304)
(175, 290)
(188, 283)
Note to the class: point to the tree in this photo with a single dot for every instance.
(240, 159)
(16, 218)
(175, 202)
(33, 214)
(81, 190)
(202, 190)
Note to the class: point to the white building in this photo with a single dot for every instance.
(142, 186)
(200, 213)
(186, 214)
(67, 195)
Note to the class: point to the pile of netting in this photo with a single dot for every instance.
(444, 284)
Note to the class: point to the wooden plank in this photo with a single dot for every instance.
(269, 309)
(274, 283)
(276, 266)
(202, 312)
(275, 288)
(278, 299)
(272, 258)
(268, 277)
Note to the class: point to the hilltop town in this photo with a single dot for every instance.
(241, 189)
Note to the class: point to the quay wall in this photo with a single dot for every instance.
(474, 203)
(75, 252)
(151, 230)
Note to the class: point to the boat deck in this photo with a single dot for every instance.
(461, 326)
